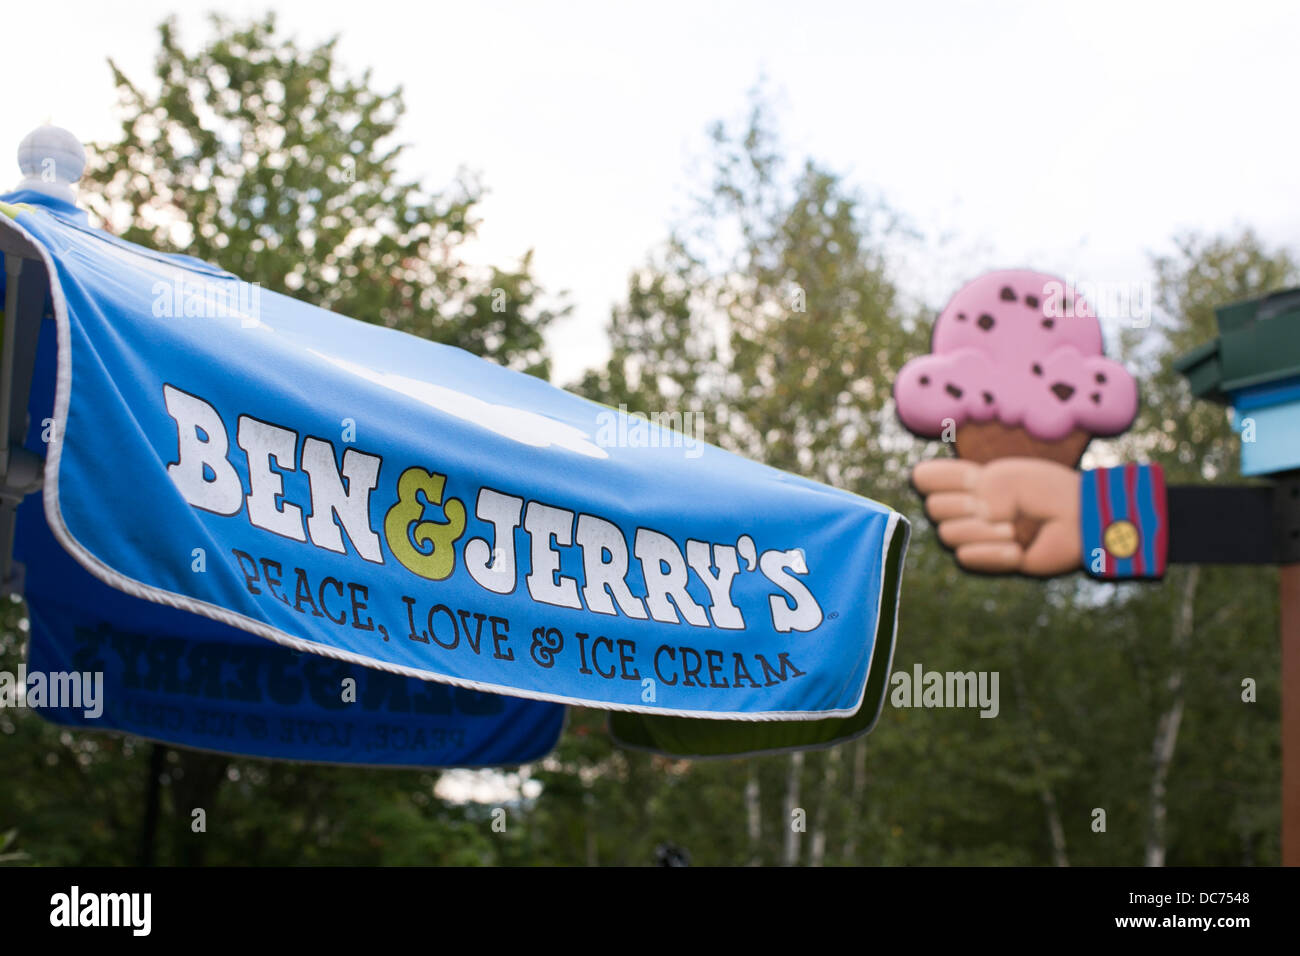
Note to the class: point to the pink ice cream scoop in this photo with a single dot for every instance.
(1016, 368)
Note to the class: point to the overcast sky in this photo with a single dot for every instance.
(1070, 137)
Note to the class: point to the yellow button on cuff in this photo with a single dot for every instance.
(1121, 539)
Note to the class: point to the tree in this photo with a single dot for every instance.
(773, 307)
(266, 158)
(1191, 438)
(770, 310)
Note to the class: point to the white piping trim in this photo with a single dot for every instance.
(113, 578)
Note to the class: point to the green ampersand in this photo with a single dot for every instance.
(438, 564)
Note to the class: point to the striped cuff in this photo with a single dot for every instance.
(1125, 522)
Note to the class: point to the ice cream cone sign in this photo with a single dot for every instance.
(1017, 384)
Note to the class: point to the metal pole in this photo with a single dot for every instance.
(152, 802)
(13, 272)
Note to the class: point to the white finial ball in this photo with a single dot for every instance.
(51, 159)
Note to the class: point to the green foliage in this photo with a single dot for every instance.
(1186, 435)
(772, 308)
(266, 158)
(1085, 668)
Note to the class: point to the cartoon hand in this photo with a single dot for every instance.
(977, 507)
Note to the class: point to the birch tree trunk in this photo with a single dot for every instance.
(1054, 827)
(589, 832)
(857, 795)
(1166, 738)
(1055, 830)
(793, 826)
(830, 775)
(754, 814)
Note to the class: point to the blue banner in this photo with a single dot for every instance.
(249, 697)
(168, 675)
(344, 489)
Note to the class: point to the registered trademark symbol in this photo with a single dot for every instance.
(833, 615)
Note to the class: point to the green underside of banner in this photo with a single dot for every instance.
(695, 737)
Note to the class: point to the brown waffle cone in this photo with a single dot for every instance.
(983, 442)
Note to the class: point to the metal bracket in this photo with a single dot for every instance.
(21, 472)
